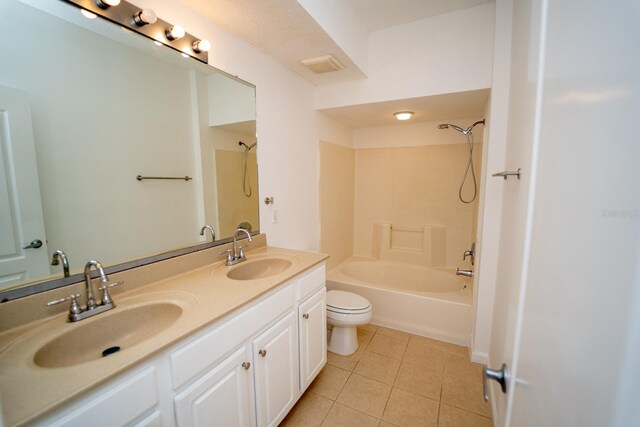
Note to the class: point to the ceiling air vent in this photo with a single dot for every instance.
(322, 64)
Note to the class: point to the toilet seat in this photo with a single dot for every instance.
(347, 303)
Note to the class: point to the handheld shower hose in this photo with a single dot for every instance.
(469, 134)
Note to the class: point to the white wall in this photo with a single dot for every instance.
(491, 189)
(286, 128)
(441, 54)
(333, 131)
(413, 134)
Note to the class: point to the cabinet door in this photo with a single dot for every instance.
(222, 397)
(276, 373)
(312, 324)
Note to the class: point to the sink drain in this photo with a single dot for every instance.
(111, 350)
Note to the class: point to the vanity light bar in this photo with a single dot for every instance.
(145, 22)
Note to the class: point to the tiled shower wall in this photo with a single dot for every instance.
(412, 187)
(406, 186)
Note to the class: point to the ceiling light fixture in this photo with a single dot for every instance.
(403, 115)
(201, 46)
(106, 4)
(144, 17)
(174, 33)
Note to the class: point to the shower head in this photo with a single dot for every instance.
(459, 129)
(247, 147)
(449, 125)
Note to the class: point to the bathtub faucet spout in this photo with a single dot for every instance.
(467, 273)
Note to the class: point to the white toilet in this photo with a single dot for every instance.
(345, 311)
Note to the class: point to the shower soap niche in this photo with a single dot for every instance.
(425, 245)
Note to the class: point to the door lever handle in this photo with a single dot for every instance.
(35, 244)
(501, 376)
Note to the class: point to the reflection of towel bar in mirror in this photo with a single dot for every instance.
(184, 178)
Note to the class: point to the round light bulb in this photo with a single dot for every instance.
(87, 14)
(403, 115)
(175, 32)
(201, 46)
(144, 17)
(105, 4)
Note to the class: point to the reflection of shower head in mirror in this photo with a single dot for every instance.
(247, 147)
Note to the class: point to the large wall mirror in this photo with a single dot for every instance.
(86, 107)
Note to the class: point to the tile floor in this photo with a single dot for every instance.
(395, 379)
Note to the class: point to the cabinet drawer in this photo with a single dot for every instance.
(116, 404)
(310, 282)
(204, 351)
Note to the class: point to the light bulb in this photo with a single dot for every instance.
(144, 17)
(175, 32)
(105, 4)
(87, 14)
(403, 115)
(201, 46)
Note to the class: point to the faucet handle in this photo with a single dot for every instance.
(74, 309)
(106, 298)
(229, 254)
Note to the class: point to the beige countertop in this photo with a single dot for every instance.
(205, 295)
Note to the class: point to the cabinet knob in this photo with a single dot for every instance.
(246, 365)
(262, 352)
(306, 315)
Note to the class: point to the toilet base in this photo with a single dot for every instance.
(344, 340)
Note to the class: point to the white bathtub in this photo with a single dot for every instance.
(424, 301)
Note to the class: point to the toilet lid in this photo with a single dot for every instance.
(340, 300)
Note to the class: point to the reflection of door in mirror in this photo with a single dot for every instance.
(20, 206)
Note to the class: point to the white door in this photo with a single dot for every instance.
(222, 397)
(567, 308)
(21, 220)
(276, 373)
(312, 324)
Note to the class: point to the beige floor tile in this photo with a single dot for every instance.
(386, 424)
(408, 409)
(465, 395)
(393, 333)
(364, 338)
(365, 395)
(329, 382)
(454, 417)
(369, 327)
(419, 381)
(344, 362)
(378, 367)
(343, 416)
(387, 346)
(440, 345)
(461, 367)
(425, 356)
(310, 410)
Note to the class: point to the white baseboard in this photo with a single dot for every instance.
(479, 357)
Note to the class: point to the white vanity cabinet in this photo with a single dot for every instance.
(221, 397)
(275, 353)
(247, 369)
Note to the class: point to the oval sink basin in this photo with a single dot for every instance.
(107, 333)
(259, 269)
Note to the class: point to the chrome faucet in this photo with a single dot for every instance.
(208, 227)
(467, 273)
(236, 254)
(470, 253)
(59, 255)
(76, 313)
